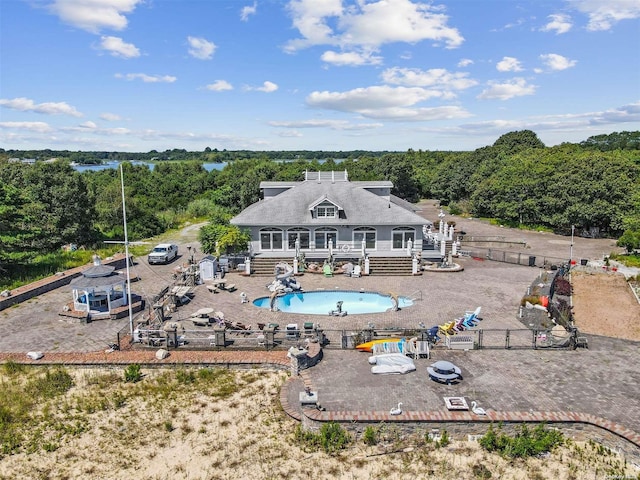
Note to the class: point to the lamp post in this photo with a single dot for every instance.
(573, 227)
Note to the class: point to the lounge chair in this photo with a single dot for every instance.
(327, 270)
(410, 348)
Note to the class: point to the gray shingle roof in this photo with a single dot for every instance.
(361, 207)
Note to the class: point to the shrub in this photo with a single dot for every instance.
(53, 383)
(562, 286)
(525, 443)
(370, 436)
(12, 368)
(132, 373)
(331, 437)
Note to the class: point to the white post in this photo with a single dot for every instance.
(247, 265)
(409, 247)
(126, 252)
(443, 247)
(295, 265)
(363, 248)
(366, 265)
(454, 248)
(331, 248)
(414, 266)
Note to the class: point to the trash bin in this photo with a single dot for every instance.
(532, 261)
(583, 261)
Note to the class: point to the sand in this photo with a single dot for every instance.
(172, 426)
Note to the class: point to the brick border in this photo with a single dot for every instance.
(445, 416)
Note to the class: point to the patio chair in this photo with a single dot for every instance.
(292, 330)
(422, 349)
(357, 271)
(411, 348)
(308, 330)
(460, 325)
(447, 328)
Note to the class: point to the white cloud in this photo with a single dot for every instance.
(553, 61)
(39, 127)
(248, 10)
(369, 24)
(603, 14)
(509, 64)
(350, 58)
(201, 48)
(385, 102)
(289, 134)
(89, 124)
(435, 77)
(94, 15)
(559, 23)
(49, 108)
(146, 78)
(118, 48)
(110, 117)
(517, 87)
(465, 62)
(266, 87)
(332, 124)
(219, 86)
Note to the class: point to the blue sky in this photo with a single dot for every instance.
(138, 75)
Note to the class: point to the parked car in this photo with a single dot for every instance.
(163, 253)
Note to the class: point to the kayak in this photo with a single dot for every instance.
(368, 346)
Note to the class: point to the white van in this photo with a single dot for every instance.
(163, 253)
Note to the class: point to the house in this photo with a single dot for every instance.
(326, 214)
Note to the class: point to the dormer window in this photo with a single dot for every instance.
(326, 210)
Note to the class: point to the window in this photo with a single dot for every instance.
(367, 234)
(324, 236)
(298, 233)
(402, 235)
(326, 210)
(270, 239)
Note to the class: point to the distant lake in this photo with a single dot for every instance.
(105, 166)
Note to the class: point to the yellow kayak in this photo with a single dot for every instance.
(368, 346)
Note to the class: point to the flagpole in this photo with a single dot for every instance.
(126, 250)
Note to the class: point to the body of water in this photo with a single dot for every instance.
(105, 166)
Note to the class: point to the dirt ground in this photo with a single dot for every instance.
(603, 304)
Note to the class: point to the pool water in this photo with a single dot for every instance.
(322, 302)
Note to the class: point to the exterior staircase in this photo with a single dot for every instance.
(265, 266)
(387, 266)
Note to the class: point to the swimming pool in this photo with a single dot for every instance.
(321, 302)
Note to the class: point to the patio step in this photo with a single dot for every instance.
(265, 266)
(384, 266)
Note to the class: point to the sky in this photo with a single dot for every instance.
(142, 75)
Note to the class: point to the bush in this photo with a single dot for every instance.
(331, 437)
(525, 443)
(562, 286)
(370, 436)
(53, 383)
(132, 373)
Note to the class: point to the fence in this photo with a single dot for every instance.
(517, 258)
(274, 338)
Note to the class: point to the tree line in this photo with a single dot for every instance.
(517, 180)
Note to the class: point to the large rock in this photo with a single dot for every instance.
(162, 354)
